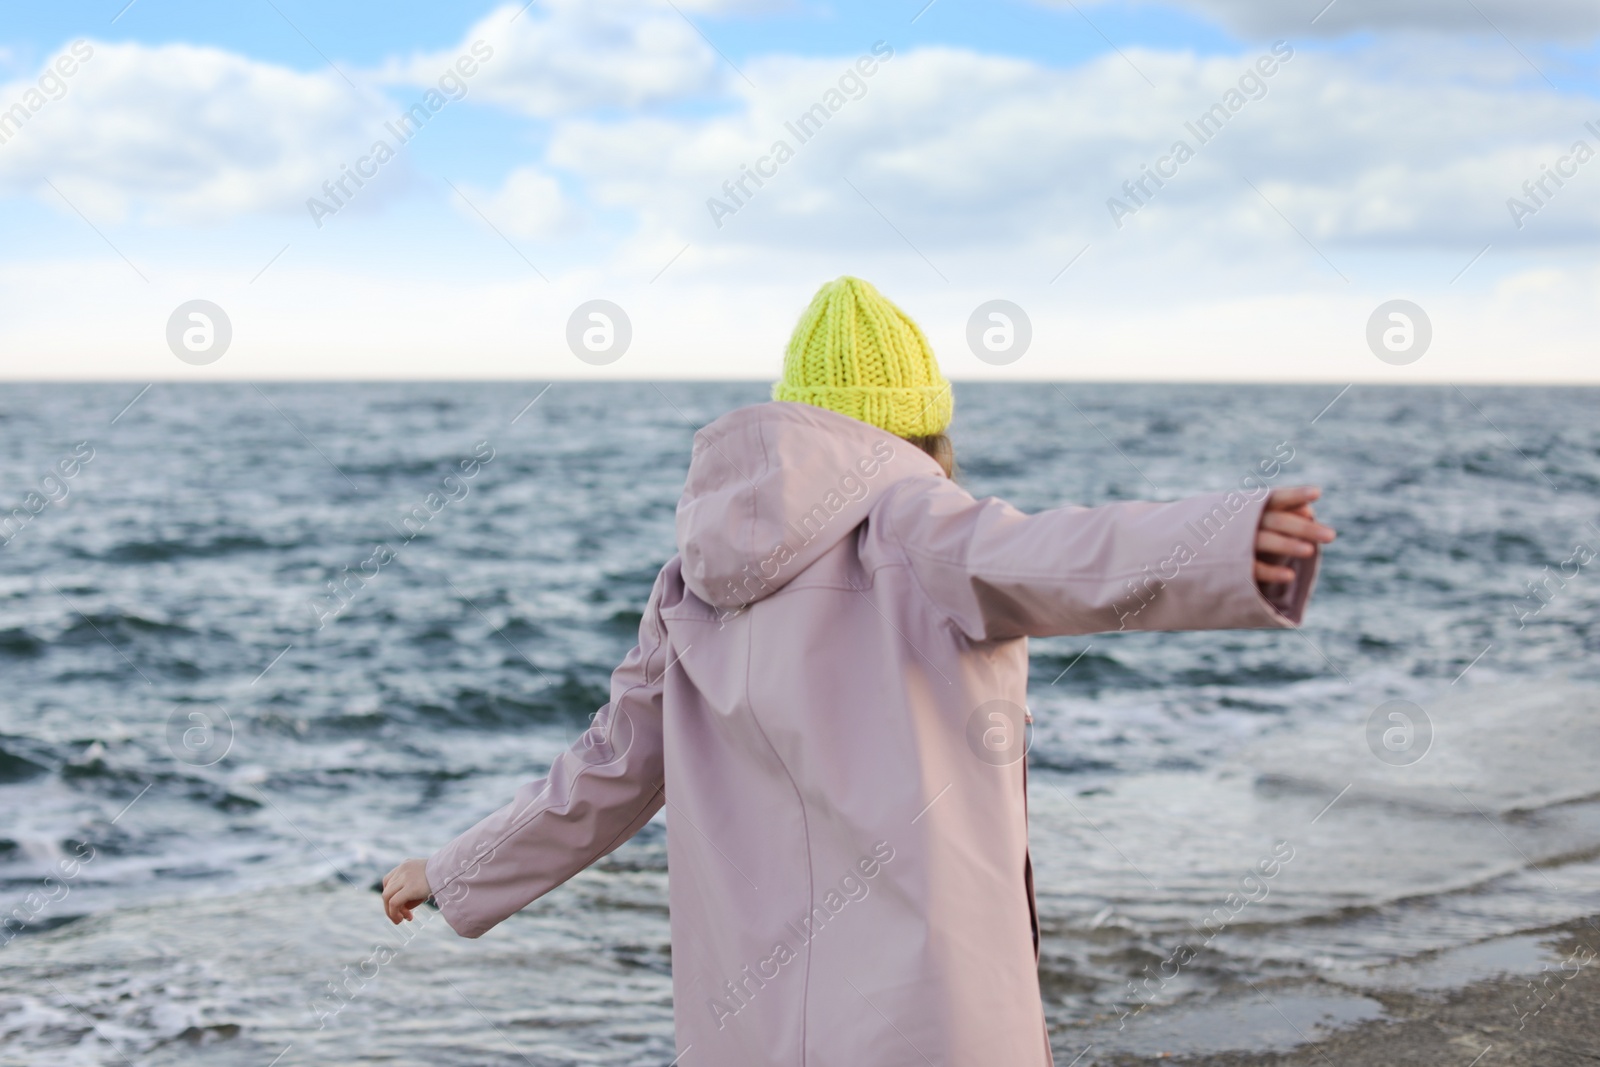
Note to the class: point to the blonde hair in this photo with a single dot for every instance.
(941, 448)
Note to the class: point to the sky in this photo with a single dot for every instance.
(1238, 190)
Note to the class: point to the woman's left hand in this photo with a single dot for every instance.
(404, 888)
(1288, 528)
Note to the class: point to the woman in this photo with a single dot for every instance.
(828, 695)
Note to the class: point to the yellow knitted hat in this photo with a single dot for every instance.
(856, 353)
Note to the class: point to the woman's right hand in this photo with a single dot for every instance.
(1288, 528)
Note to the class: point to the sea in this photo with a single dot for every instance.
(258, 643)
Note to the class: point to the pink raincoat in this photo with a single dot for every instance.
(827, 696)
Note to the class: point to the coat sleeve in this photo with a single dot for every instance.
(998, 573)
(600, 791)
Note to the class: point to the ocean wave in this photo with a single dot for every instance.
(430, 700)
(166, 551)
(570, 701)
(15, 768)
(21, 643)
(96, 628)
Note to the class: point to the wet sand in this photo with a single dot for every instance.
(1547, 1019)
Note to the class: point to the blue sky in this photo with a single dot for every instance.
(365, 32)
(1384, 160)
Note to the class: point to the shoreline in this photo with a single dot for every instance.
(1487, 1022)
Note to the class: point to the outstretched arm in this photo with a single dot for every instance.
(1218, 561)
(599, 793)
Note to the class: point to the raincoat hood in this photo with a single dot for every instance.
(772, 487)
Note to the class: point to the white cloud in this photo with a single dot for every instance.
(992, 171)
(958, 149)
(188, 134)
(184, 134)
(1545, 19)
(565, 56)
(530, 203)
(963, 151)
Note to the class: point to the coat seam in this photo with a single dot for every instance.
(871, 573)
(805, 823)
(1099, 579)
(931, 558)
(893, 538)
